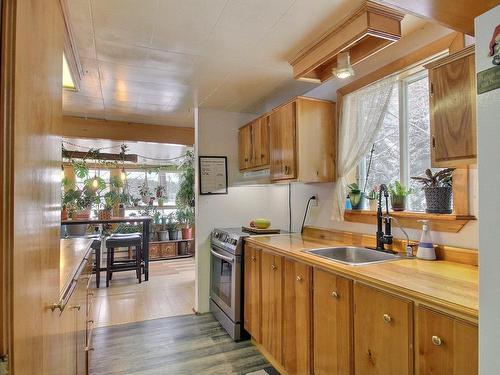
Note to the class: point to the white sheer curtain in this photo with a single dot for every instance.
(361, 117)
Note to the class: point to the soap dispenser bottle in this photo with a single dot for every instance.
(426, 247)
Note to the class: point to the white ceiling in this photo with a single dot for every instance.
(152, 61)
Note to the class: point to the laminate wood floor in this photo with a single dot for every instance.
(184, 345)
(169, 292)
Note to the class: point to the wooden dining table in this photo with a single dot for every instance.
(144, 220)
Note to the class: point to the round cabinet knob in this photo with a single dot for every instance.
(273, 267)
(334, 294)
(299, 278)
(387, 318)
(436, 340)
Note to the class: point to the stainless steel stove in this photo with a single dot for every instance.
(226, 279)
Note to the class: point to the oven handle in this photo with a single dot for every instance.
(220, 256)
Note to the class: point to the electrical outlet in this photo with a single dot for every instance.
(315, 202)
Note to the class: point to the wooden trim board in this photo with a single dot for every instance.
(79, 127)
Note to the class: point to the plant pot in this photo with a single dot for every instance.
(76, 230)
(438, 199)
(161, 202)
(121, 210)
(173, 234)
(182, 248)
(373, 204)
(357, 201)
(82, 214)
(187, 233)
(145, 200)
(64, 214)
(398, 202)
(105, 214)
(163, 235)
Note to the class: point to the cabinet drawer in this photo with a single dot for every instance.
(446, 345)
(383, 332)
(168, 249)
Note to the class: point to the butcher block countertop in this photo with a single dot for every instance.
(447, 285)
(73, 252)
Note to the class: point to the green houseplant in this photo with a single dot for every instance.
(372, 197)
(438, 190)
(398, 194)
(186, 220)
(356, 196)
(171, 226)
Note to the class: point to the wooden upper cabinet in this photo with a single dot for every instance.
(272, 304)
(446, 345)
(297, 318)
(253, 145)
(282, 142)
(383, 332)
(260, 142)
(302, 137)
(452, 90)
(332, 306)
(245, 147)
(252, 306)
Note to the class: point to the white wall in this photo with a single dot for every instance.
(488, 130)
(216, 134)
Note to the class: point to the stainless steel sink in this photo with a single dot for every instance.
(354, 256)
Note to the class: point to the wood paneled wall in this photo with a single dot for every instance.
(31, 98)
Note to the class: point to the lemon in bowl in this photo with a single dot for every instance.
(262, 223)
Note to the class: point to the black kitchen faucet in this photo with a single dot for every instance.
(383, 238)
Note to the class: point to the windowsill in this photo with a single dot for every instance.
(409, 219)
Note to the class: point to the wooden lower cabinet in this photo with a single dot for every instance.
(297, 313)
(332, 306)
(76, 319)
(446, 345)
(272, 304)
(252, 287)
(383, 332)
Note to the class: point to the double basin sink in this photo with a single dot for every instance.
(354, 256)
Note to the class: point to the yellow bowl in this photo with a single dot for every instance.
(262, 223)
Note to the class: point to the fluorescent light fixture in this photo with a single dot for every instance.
(68, 82)
(344, 68)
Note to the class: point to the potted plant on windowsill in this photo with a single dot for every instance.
(398, 195)
(144, 192)
(110, 199)
(438, 190)
(372, 197)
(356, 196)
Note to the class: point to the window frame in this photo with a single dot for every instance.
(404, 156)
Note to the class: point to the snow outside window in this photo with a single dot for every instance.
(402, 146)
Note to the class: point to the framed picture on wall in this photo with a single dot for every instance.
(213, 175)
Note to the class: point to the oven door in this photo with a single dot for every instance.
(225, 287)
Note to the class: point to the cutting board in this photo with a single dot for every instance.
(260, 231)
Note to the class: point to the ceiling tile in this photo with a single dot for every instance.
(129, 21)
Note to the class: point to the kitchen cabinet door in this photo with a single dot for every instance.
(446, 345)
(297, 322)
(272, 304)
(252, 292)
(332, 324)
(260, 142)
(452, 82)
(245, 147)
(383, 333)
(282, 142)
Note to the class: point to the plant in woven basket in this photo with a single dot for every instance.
(438, 190)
